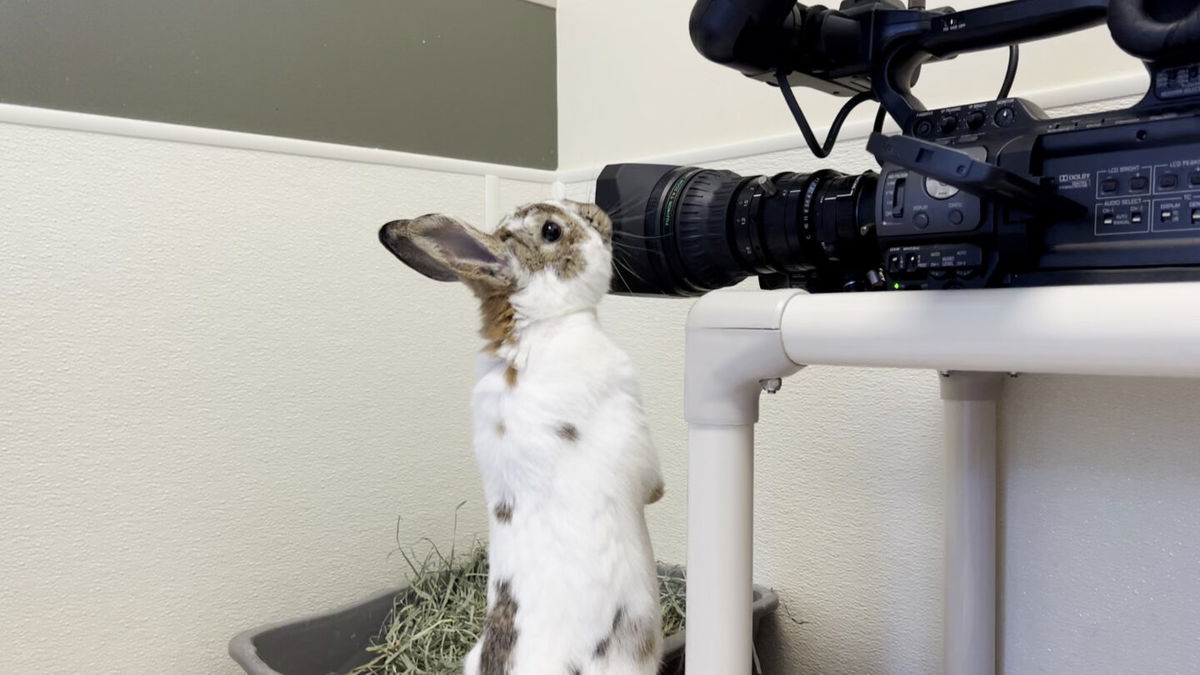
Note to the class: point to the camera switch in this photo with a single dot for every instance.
(898, 198)
(1135, 217)
(1139, 183)
(1109, 185)
(1168, 181)
(1195, 216)
(921, 220)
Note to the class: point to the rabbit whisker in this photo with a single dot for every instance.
(630, 235)
(617, 270)
(637, 249)
(630, 270)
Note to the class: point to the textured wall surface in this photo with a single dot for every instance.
(656, 95)
(1100, 497)
(219, 394)
(473, 79)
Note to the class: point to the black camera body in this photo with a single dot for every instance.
(993, 193)
(1128, 181)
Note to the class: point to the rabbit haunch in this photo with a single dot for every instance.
(561, 442)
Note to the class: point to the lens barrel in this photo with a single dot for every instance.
(685, 231)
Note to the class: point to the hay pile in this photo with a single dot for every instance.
(433, 626)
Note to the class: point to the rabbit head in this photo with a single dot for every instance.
(544, 259)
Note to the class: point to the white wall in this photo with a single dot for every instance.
(630, 84)
(219, 393)
(1100, 504)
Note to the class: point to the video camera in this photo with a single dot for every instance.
(993, 193)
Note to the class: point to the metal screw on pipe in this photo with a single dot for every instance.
(771, 386)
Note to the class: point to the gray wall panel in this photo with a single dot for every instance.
(459, 78)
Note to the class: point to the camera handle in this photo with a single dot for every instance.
(958, 169)
(907, 40)
(1010, 22)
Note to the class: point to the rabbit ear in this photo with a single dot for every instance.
(447, 249)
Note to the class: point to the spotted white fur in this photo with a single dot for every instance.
(567, 464)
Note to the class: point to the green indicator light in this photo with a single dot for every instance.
(896, 285)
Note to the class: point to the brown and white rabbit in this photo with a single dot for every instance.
(561, 441)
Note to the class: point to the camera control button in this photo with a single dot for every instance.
(1139, 183)
(956, 217)
(1168, 181)
(939, 190)
(1194, 179)
(947, 124)
(976, 119)
(1005, 116)
(921, 220)
(1109, 185)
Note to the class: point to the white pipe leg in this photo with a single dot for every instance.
(720, 548)
(733, 346)
(970, 555)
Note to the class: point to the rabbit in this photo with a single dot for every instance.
(561, 440)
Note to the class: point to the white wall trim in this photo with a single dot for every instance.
(1075, 94)
(178, 133)
(546, 3)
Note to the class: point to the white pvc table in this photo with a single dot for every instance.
(740, 343)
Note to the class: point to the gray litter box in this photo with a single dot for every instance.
(336, 641)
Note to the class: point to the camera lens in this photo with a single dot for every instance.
(685, 231)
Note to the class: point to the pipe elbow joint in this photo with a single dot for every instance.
(734, 342)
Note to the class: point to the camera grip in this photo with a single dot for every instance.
(1167, 31)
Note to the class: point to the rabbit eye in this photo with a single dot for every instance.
(551, 232)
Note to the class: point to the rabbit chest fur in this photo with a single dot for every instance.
(567, 468)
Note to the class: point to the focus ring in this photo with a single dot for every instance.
(701, 235)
